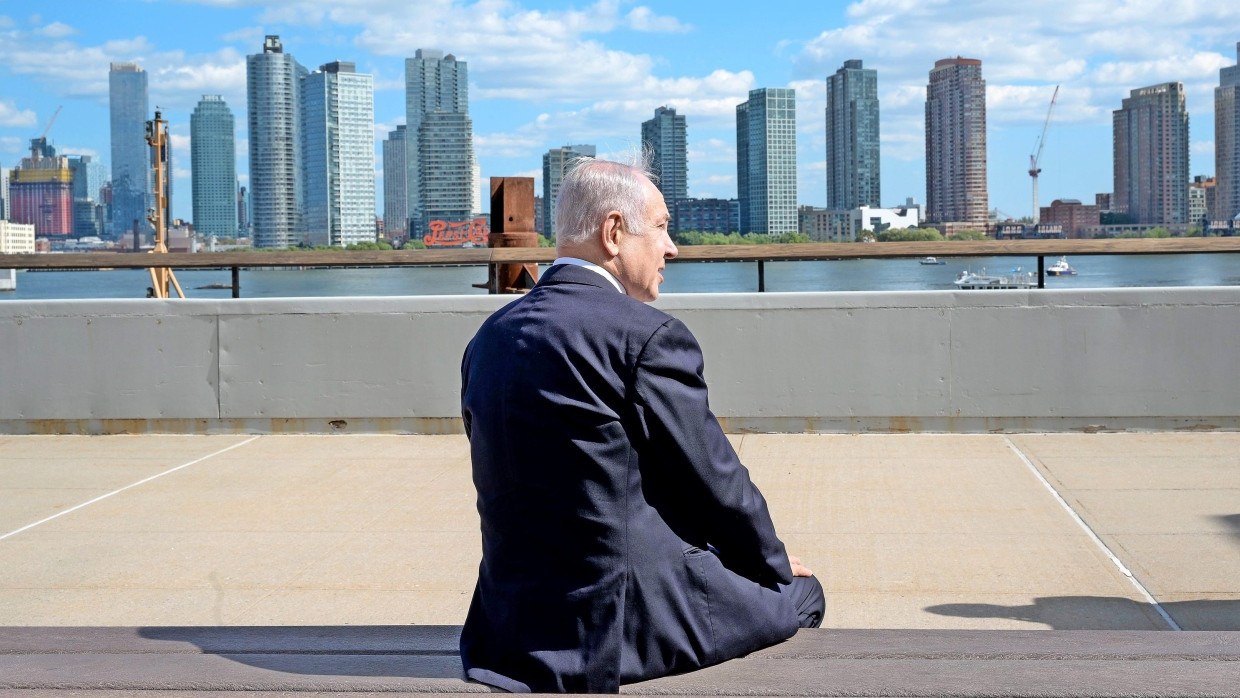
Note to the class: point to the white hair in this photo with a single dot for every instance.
(592, 188)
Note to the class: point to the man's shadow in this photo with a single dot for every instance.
(393, 651)
(1114, 613)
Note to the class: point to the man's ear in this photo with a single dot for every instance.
(612, 230)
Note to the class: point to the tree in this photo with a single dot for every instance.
(910, 235)
(969, 235)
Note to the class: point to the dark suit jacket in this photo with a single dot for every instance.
(622, 539)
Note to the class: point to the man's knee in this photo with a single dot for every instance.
(807, 597)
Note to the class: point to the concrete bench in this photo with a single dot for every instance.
(308, 661)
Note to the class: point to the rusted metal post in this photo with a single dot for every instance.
(512, 225)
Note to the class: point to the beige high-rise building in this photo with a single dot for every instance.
(956, 143)
(1151, 155)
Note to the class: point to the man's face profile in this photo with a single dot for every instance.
(644, 251)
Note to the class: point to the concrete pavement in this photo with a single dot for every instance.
(948, 534)
(905, 531)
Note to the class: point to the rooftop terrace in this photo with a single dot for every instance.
(1079, 503)
(346, 563)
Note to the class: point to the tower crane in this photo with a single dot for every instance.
(1036, 156)
(38, 146)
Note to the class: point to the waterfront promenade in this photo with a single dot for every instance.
(363, 549)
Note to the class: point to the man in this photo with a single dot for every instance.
(622, 539)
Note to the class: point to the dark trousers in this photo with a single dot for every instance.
(811, 605)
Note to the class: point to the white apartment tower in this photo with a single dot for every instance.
(766, 161)
(338, 155)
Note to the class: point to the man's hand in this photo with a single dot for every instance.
(798, 570)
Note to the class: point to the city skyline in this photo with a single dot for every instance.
(594, 73)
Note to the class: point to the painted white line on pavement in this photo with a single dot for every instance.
(127, 487)
(1092, 536)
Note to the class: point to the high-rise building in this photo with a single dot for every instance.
(1227, 143)
(338, 159)
(88, 177)
(4, 194)
(395, 185)
(664, 135)
(956, 143)
(213, 167)
(41, 193)
(852, 138)
(131, 155)
(273, 84)
(707, 215)
(556, 163)
(1151, 155)
(766, 161)
(243, 210)
(439, 140)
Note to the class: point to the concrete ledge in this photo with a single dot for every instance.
(337, 660)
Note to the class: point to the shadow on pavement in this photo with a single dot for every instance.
(1233, 522)
(1105, 613)
(398, 651)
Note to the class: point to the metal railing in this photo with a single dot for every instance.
(487, 256)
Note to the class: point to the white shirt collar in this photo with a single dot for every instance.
(592, 267)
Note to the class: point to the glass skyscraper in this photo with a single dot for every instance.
(1151, 155)
(439, 140)
(338, 160)
(852, 138)
(273, 84)
(1227, 143)
(956, 143)
(395, 190)
(213, 166)
(665, 136)
(131, 155)
(766, 161)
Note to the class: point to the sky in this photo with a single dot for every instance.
(547, 73)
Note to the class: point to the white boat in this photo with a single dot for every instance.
(1060, 268)
(981, 280)
(931, 260)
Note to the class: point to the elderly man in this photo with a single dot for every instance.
(622, 539)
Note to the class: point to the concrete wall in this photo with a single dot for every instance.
(919, 361)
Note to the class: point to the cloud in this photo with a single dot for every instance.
(645, 20)
(56, 30)
(10, 144)
(250, 36)
(10, 115)
(1203, 148)
(75, 150)
(712, 150)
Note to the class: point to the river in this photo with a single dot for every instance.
(1103, 271)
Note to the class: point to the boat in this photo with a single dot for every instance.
(931, 260)
(1060, 268)
(981, 280)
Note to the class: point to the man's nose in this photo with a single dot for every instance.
(670, 251)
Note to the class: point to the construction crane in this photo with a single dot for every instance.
(1036, 156)
(162, 278)
(38, 146)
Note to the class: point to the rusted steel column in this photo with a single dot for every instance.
(512, 225)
